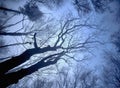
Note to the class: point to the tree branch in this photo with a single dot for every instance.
(10, 10)
(35, 42)
(14, 44)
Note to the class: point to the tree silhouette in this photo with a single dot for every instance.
(86, 6)
(60, 41)
(30, 9)
(63, 45)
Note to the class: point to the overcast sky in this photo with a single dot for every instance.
(106, 21)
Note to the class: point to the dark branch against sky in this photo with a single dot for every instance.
(57, 32)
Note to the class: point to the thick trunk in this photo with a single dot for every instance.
(13, 77)
(15, 61)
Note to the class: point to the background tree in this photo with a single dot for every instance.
(30, 9)
(111, 73)
(87, 6)
(67, 79)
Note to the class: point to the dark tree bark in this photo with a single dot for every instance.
(15, 61)
(13, 77)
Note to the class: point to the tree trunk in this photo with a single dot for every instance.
(9, 78)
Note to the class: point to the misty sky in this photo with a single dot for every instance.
(107, 23)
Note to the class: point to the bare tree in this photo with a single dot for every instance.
(50, 3)
(43, 83)
(82, 6)
(86, 6)
(66, 78)
(30, 9)
(61, 41)
(111, 72)
(111, 77)
(64, 44)
(76, 79)
(116, 39)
